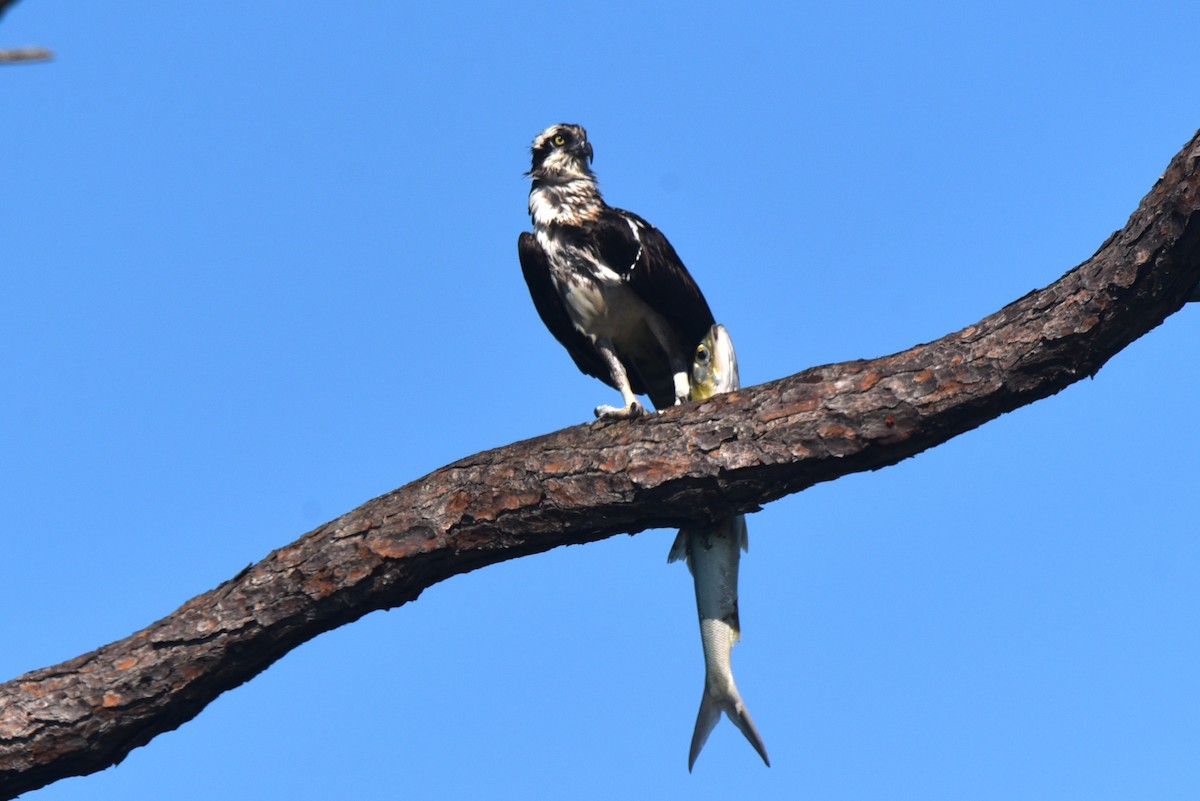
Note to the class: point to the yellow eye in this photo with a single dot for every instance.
(559, 139)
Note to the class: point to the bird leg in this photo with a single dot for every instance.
(681, 369)
(683, 387)
(620, 380)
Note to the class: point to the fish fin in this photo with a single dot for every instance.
(741, 718)
(735, 526)
(706, 721)
(739, 526)
(679, 548)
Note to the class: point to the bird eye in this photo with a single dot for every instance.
(559, 139)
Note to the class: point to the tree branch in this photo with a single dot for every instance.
(19, 55)
(686, 465)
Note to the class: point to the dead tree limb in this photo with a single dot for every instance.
(686, 465)
(18, 55)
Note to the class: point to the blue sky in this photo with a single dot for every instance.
(259, 266)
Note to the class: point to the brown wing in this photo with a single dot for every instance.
(552, 310)
(636, 249)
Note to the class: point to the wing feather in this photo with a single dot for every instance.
(641, 254)
(550, 307)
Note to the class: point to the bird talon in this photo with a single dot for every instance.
(633, 410)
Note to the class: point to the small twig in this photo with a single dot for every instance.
(20, 55)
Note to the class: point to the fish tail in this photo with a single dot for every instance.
(711, 707)
(740, 716)
(706, 721)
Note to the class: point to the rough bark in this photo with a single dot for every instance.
(581, 484)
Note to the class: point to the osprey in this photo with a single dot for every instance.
(607, 284)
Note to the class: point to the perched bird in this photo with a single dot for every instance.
(712, 554)
(613, 292)
(607, 284)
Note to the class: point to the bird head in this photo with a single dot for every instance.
(561, 151)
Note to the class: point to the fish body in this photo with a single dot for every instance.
(713, 553)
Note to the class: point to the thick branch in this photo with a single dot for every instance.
(581, 484)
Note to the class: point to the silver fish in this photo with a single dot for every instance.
(712, 554)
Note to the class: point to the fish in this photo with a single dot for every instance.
(712, 553)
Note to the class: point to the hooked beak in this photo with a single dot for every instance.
(585, 149)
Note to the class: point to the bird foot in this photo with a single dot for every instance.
(634, 409)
